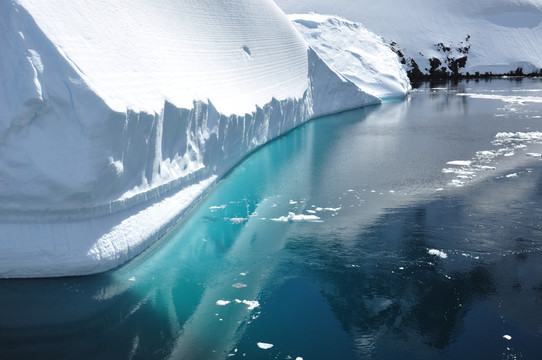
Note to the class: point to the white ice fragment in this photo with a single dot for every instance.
(218, 207)
(311, 211)
(293, 217)
(223, 302)
(507, 337)
(243, 274)
(512, 175)
(265, 346)
(239, 286)
(132, 279)
(435, 252)
(293, 202)
(457, 183)
(252, 304)
(238, 220)
(319, 209)
(535, 155)
(459, 162)
(332, 209)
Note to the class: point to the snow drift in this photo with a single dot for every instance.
(503, 35)
(115, 117)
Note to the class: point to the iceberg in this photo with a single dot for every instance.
(355, 52)
(116, 117)
(484, 31)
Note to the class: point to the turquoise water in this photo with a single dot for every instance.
(393, 260)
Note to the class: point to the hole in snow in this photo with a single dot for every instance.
(247, 50)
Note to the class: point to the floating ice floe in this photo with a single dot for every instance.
(435, 252)
(507, 337)
(218, 207)
(301, 217)
(252, 304)
(265, 346)
(459, 162)
(223, 302)
(512, 175)
(535, 155)
(238, 220)
(239, 286)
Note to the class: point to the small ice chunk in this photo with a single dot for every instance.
(507, 337)
(251, 304)
(223, 302)
(311, 211)
(239, 286)
(265, 346)
(332, 209)
(457, 183)
(217, 207)
(132, 279)
(459, 162)
(293, 217)
(293, 202)
(238, 301)
(238, 220)
(243, 274)
(435, 252)
(535, 155)
(512, 175)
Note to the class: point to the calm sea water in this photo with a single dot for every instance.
(420, 239)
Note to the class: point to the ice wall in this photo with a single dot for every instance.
(115, 117)
(504, 34)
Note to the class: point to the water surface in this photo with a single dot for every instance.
(420, 239)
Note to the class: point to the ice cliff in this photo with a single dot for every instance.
(502, 35)
(116, 116)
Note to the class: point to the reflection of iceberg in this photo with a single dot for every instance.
(110, 137)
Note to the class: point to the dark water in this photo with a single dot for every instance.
(404, 261)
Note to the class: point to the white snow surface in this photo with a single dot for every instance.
(504, 34)
(358, 54)
(117, 116)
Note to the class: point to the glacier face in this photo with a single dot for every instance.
(111, 127)
(495, 27)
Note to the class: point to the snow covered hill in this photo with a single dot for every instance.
(499, 35)
(116, 116)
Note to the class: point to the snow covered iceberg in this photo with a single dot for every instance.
(355, 52)
(499, 35)
(116, 116)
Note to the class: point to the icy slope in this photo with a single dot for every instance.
(355, 52)
(504, 34)
(115, 117)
